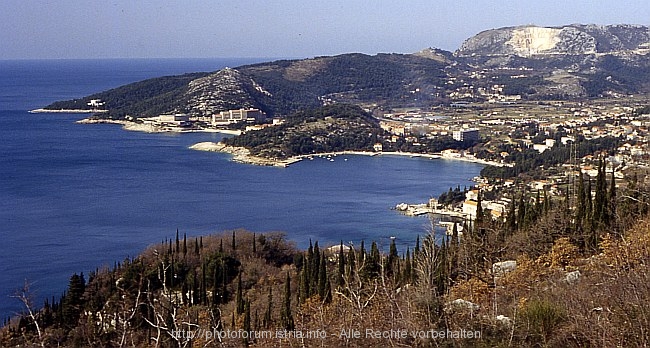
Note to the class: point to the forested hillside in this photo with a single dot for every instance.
(548, 275)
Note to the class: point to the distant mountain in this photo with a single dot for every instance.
(531, 41)
(574, 61)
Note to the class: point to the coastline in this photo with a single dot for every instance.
(151, 128)
(243, 155)
(65, 111)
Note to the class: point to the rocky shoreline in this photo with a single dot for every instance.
(243, 155)
(65, 111)
(239, 154)
(126, 125)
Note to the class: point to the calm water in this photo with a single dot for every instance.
(76, 197)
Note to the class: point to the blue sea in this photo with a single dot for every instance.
(77, 197)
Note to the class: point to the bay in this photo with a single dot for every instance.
(77, 197)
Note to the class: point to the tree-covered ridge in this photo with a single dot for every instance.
(287, 85)
(146, 98)
(355, 78)
(331, 128)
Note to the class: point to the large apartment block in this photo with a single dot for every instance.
(234, 116)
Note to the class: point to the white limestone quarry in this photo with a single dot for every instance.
(527, 41)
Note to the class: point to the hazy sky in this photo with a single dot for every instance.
(275, 28)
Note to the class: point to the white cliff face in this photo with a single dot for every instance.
(529, 41)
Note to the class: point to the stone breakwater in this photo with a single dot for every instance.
(239, 154)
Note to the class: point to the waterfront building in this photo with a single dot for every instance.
(179, 120)
(234, 116)
(470, 134)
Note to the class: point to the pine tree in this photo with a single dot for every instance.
(72, 303)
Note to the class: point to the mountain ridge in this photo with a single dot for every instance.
(592, 61)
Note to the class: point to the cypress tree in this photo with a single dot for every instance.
(224, 282)
(178, 245)
(328, 291)
(417, 247)
(581, 202)
(480, 217)
(322, 278)
(511, 219)
(588, 202)
(215, 288)
(269, 309)
(362, 253)
(407, 267)
(247, 321)
(204, 290)
(234, 243)
(196, 247)
(195, 289)
(547, 203)
(341, 268)
(392, 257)
(286, 317)
(314, 268)
(239, 299)
(372, 265)
(351, 263)
(304, 286)
(184, 244)
(612, 199)
(221, 246)
(521, 213)
(254, 244)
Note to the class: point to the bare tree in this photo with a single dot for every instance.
(25, 296)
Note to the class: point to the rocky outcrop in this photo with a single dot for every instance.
(223, 90)
(530, 41)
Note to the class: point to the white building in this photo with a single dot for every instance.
(175, 119)
(234, 116)
(470, 134)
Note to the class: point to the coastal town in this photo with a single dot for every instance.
(492, 134)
